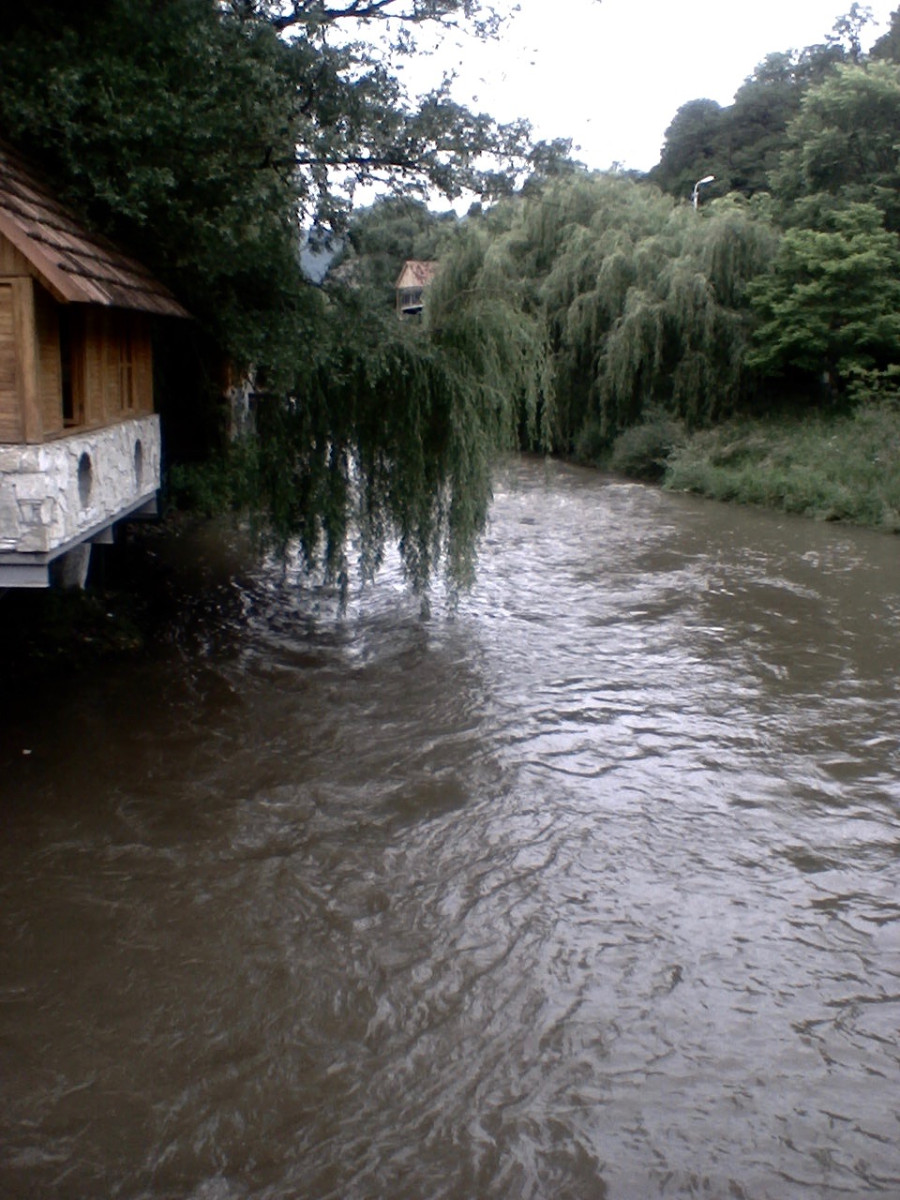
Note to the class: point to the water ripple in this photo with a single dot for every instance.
(587, 887)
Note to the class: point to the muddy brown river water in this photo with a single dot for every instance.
(588, 889)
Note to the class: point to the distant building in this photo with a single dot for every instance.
(79, 439)
(411, 284)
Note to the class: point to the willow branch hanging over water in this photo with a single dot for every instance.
(393, 429)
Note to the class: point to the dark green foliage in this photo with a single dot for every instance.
(832, 299)
(643, 451)
(757, 122)
(741, 144)
(887, 48)
(172, 130)
(844, 143)
(696, 145)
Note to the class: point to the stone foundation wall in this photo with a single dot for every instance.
(57, 493)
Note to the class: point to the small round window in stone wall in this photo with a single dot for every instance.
(85, 479)
(139, 462)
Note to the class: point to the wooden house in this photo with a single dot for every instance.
(411, 284)
(79, 439)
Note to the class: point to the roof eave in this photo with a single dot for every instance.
(59, 284)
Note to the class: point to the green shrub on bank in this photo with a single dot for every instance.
(834, 468)
(640, 452)
(643, 451)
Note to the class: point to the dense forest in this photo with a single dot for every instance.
(602, 315)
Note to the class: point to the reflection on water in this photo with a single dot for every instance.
(586, 889)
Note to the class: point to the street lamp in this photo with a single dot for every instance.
(695, 194)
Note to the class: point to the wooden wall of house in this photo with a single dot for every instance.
(12, 261)
(117, 367)
(20, 402)
(10, 409)
(19, 412)
(30, 375)
(68, 367)
(46, 318)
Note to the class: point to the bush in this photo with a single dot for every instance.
(643, 451)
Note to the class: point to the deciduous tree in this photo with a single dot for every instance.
(831, 301)
(844, 142)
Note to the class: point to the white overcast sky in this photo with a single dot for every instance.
(611, 75)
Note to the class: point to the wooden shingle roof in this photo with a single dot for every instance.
(75, 266)
(416, 273)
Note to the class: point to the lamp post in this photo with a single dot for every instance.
(695, 194)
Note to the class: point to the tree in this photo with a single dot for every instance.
(831, 301)
(756, 124)
(308, 14)
(679, 344)
(740, 144)
(843, 142)
(847, 31)
(694, 147)
(642, 301)
(887, 47)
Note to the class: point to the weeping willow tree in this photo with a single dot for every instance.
(643, 300)
(680, 342)
(585, 290)
(394, 428)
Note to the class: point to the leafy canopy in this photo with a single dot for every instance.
(832, 300)
(740, 144)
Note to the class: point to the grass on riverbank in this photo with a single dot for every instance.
(840, 468)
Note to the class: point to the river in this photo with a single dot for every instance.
(586, 888)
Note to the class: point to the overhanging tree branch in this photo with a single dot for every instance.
(485, 19)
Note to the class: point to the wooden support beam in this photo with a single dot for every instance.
(26, 352)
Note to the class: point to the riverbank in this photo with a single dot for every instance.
(835, 467)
